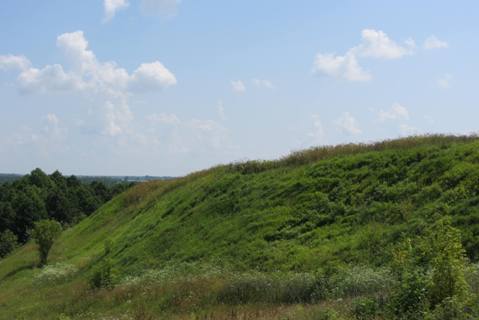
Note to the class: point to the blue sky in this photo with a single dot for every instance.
(166, 87)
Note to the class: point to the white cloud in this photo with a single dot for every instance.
(346, 67)
(375, 44)
(112, 6)
(238, 86)
(152, 75)
(166, 8)
(13, 62)
(348, 124)
(75, 47)
(105, 81)
(432, 42)
(49, 78)
(396, 112)
(444, 81)
(263, 83)
(96, 75)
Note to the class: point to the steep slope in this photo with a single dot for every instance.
(314, 209)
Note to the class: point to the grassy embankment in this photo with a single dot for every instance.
(263, 239)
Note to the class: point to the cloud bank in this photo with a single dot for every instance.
(110, 83)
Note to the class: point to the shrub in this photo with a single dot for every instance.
(44, 233)
(360, 280)
(103, 277)
(448, 265)
(8, 242)
(432, 276)
(472, 277)
(449, 309)
(365, 308)
(55, 273)
(409, 297)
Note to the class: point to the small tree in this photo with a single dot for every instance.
(431, 276)
(44, 233)
(8, 242)
(448, 264)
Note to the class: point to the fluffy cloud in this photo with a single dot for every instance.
(348, 124)
(396, 112)
(107, 81)
(238, 86)
(112, 6)
(49, 78)
(374, 44)
(432, 42)
(346, 67)
(152, 75)
(11, 62)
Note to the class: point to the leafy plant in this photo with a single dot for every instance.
(44, 233)
(8, 242)
(104, 276)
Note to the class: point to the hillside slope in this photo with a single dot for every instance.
(314, 209)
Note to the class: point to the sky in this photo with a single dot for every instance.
(167, 87)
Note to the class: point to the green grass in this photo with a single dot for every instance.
(315, 210)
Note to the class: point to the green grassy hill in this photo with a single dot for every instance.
(313, 210)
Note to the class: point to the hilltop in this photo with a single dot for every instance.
(315, 210)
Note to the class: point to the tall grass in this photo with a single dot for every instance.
(314, 154)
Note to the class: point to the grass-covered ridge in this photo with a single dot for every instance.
(319, 209)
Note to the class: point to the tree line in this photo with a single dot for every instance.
(38, 196)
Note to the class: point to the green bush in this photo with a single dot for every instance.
(44, 233)
(103, 277)
(448, 265)
(360, 280)
(8, 242)
(365, 308)
(409, 299)
(431, 276)
(55, 274)
(450, 309)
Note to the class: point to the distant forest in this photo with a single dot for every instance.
(36, 196)
(9, 177)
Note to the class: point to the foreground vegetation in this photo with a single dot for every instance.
(382, 231)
